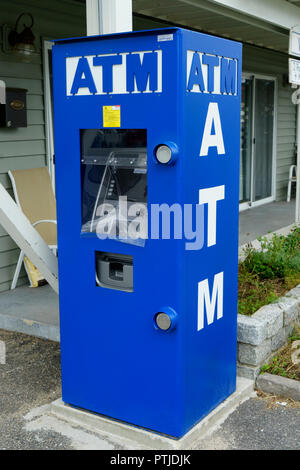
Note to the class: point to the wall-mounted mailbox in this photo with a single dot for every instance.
(13, 107)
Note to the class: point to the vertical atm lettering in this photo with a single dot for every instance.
(147, 128)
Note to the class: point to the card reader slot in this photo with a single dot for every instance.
(114, 271)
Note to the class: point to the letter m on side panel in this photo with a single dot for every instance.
(209, 304)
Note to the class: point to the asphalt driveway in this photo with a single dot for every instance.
(30, 378)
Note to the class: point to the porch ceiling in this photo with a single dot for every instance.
(294, 2)
(204, 15)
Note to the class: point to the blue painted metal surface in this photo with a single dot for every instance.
(114, 361)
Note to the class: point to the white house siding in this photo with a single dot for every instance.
(26, 147)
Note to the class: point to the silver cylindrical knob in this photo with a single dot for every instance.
(163, 154)
(163, 321)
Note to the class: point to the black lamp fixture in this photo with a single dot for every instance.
(23, 43)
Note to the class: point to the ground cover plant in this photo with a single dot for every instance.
(286, 362)
(266, 275)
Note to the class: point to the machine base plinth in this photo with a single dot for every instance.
(125, 436)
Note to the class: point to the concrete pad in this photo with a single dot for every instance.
(115, 434)
(33, 311)
(265, 219)
(39, 420)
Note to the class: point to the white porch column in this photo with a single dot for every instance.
(297, 214)
(108, 16)
(296, 101)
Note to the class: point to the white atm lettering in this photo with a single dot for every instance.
(123, 73)
(214, 75)
(208, 304)
(209, 73)
(210, 196)
(209, 138)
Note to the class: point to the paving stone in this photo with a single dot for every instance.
(288, 331)
(251, 330)
(272, 316)
(295, 292)
(277, 385)
(249, 372)
(254, 355)
(291, 309)
(278, 340)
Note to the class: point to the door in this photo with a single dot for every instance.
(263, 135)
(257, 141)
(246, 140)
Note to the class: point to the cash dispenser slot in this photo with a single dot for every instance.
(113, 165)
(114, 271)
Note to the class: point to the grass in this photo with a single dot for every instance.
(266, 275)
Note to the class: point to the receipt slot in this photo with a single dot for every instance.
(147, 128)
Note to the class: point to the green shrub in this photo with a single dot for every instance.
(267, 274)
(279, 257)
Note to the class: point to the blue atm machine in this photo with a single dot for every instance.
(147, 134)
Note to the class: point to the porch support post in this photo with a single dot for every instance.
(92, 17)
(108, 16)
(297, 215)
(296, 100)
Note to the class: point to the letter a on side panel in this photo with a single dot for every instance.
(209, 139)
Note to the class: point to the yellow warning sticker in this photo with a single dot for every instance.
(112, 116)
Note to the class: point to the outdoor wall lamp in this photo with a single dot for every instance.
(23, 42)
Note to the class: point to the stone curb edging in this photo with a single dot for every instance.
(263, 333)
(277, 385)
